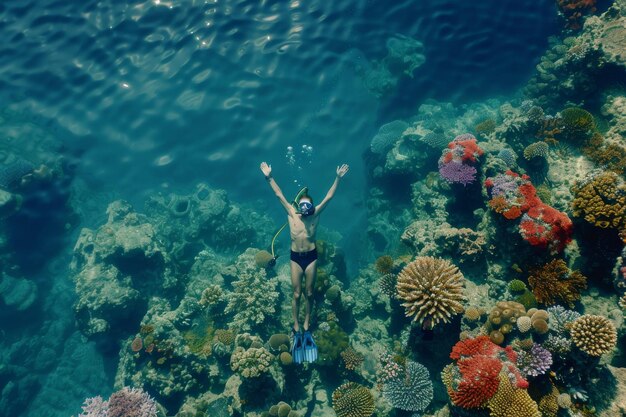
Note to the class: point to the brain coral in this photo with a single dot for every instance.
(601, 200)
(432, 289)
(554, 283)
(353, 400)
(594, 335)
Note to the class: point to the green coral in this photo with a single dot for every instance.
(331, 343)
(254, 297)
(485, 127)
(517, 286)
(527, 299)
(577, 124)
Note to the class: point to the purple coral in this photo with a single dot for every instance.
(457, 172)
(123, 403)
(534, 362)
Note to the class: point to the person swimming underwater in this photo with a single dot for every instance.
(303, 222)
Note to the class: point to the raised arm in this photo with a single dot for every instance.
(341, 171)
(267, 171)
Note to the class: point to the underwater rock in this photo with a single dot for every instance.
(17, 293)
(617, 406)
(116, 268)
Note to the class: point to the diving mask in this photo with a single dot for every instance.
(306, 208)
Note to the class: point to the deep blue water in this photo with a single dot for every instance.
(160, 95)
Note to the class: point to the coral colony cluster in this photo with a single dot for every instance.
(494, 277)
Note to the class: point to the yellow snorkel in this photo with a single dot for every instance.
(294, 203)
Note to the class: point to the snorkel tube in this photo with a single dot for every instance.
(294, 203)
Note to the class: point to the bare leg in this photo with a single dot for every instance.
(309, 274)
(296, 279)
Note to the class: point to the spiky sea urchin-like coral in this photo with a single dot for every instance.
(353, 400)
(411, 390)
(431, 288)
(594, 335)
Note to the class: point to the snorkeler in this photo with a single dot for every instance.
(303, 222)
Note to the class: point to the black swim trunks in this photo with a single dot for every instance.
(304, 258)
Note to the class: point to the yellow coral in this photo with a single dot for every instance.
(594, 335)
(601, 200)
(510, 401)
(548, 404)
(432, 289)
(353, 400)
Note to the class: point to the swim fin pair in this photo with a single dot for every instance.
(304, 348)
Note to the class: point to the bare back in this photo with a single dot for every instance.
(302, 232)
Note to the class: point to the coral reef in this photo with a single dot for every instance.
(431, 290)
(253, 300)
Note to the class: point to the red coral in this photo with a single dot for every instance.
(480, 345)
(475, 378)
(574, 10)
(546, 227)
(479, 381)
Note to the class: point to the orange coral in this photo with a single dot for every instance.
(554, 283)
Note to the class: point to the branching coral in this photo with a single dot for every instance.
(125, 402)
(254, 297)
(351, 358)
(594, 335)
(353, 400)
(554, 283)
(601, 200)
(534, 362)
(432, 290)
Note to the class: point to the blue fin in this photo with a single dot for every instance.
(297, 352)
(309, 348)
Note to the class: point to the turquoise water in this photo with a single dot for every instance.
(162, 103)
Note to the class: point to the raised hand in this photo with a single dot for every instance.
(266, 169)
(341, 170)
